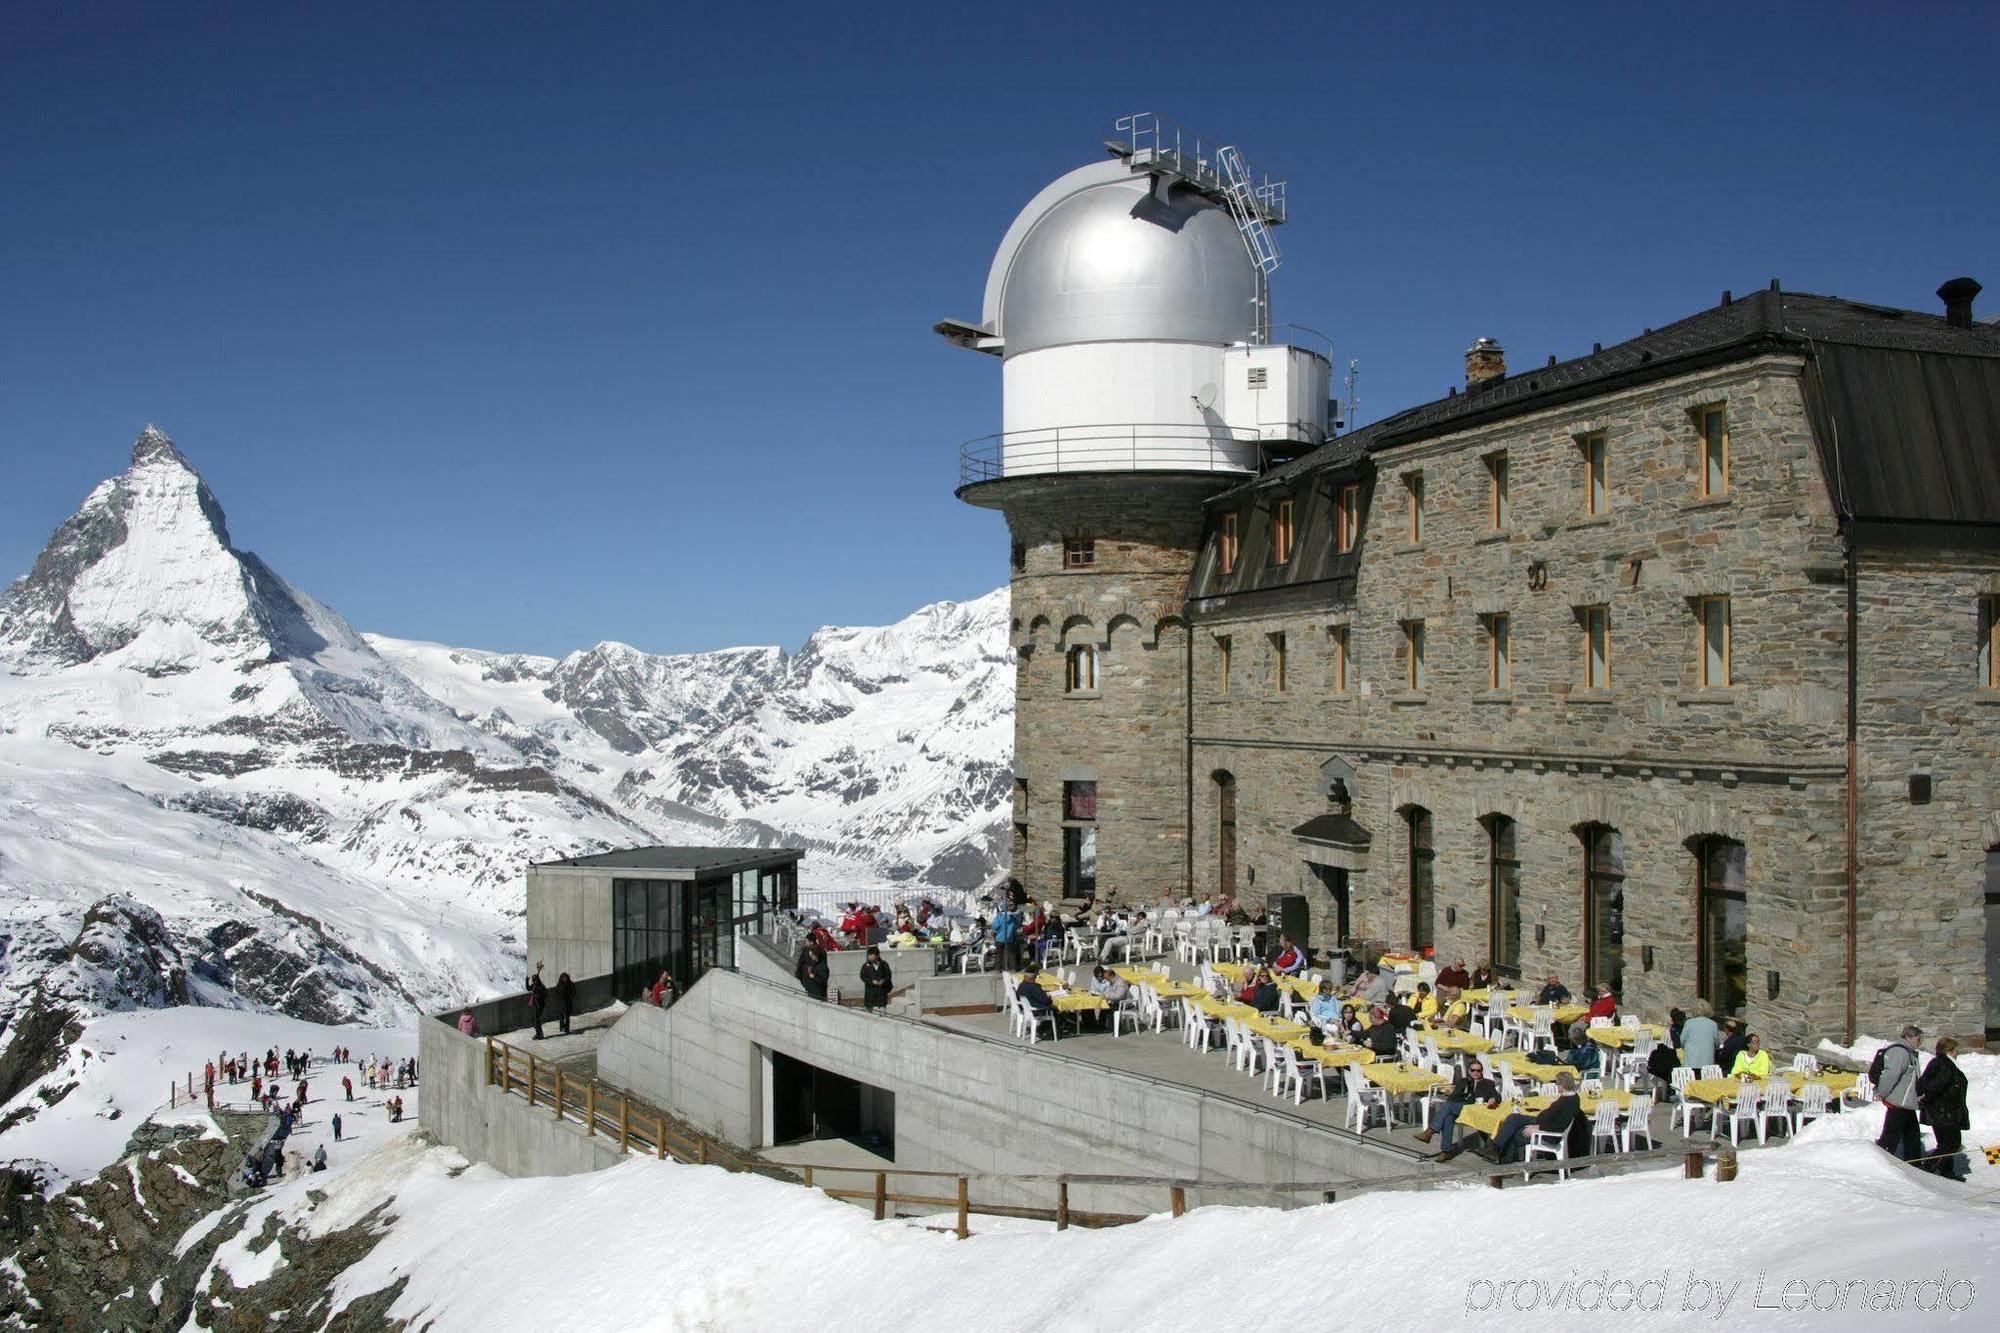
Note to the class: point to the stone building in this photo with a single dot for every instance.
(1673, 666)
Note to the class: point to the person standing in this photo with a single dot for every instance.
(876, 981)
(566, 998)
(1941, 1105)
(538, 1002)
(1699, 1037)
(1007, 935)
(336, 1126)
(812, 970)
(1894, 1072)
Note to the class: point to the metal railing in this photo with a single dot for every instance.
(1151, 139)
(1140, 446)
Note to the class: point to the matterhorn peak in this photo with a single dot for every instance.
(154, 443)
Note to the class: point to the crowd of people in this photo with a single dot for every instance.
(274, 1158)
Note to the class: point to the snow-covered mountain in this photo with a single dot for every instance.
(210, 777)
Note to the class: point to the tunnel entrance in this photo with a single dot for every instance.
(808, 1102)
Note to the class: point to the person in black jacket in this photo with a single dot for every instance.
(812, 970)
(538, 998)
(876, 980)
(1941, 1105)
(1469, 1087)
(1734, 1038)
(1556, 1119)
(1381, 1038)
(565, 1000)
(1553, 993)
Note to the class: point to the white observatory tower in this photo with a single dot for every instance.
(1130, 306)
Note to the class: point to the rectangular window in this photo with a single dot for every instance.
(1079, 553)
(1281, 532)
(1992, 944)
(1596, 480)
(1423, 882)
(1499, 652)
(1597, 647)
(1501, 509)
(1082, 670)
(1713, 651)
(1414, 483)
(1222, 661)
(1228, 544)
(1723, 961)
(1337, 644)
(1080, 862)
(1080, 800)
(1503, 872)
(1278, 662)
(1989, 642)
(1020, 798)
(1347, 518)
(1714, 451)
(1415, 675)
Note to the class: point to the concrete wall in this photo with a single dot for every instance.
(489, 1125)
(569, 920)
(965, 1102)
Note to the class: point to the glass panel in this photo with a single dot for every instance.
(1715, 642)
(1989, 642)
(1080, 862)
(1598, 668)
(1502, 674)
(1715, 477)
(1502, 502)
(1993, 941)
(1726, 967)
(1422, 886)
(1604, 908)
(1505, 892)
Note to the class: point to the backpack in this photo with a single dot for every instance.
(1875, 1068)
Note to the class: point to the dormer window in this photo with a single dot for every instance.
(1228, 544)
(1281, 532)
(1347, 518)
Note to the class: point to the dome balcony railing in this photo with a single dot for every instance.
(1125, 447)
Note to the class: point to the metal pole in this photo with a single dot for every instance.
(590, 1111)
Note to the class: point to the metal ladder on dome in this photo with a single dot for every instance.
(1248, 211)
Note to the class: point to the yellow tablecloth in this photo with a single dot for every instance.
(1280, 1030)
(1451, 1039)
(1402, 1080)
(1837, 1080)
(1487, 1119)
(1215, 1008)
(1298, 986)
(1716, 1091)
(1564, 1013)
(1178, 990)
(1523, 1067)
(1398, 962)
(1333, 1057)
(1620, 1037)
(1135, 975)
(1077, 1001)
(1231, 972)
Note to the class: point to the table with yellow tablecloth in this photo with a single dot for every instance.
(1462, 1043)
(1618, 1037)
(1300, 987)
(1717, 1091)
(1523, 1067)
(1219, 1008)
(1564, 1013)
(1230, 972)
(1280, 1030)
(1837, 1080)
(1333, 1057)
(1399, 962)
(1139, 974)
(1078, 1001)
(1179, 990)
(1486, 1119)
(1400, 1080)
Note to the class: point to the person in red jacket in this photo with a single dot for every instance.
(1604, 1005)
(1291, 959)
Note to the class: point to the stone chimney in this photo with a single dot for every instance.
(1957, 296)
(1485, 362)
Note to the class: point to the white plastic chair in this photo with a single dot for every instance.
(1805, 1064)
(1131, 1012)
(1200, 1028)
(1743, 1108)
(1032, 1021)
(1546, 1143)
(1604, 1125)
(1776, 1104)
(1858, 1096)
(1297, 1070)
(1638, 1122)
(1811, 1105)
(1363, 1100)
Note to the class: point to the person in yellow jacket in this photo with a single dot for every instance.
(1424, 1003)
(1753, 1060)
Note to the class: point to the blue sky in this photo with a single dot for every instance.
(527, 326)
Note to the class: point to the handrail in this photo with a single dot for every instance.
(1109, 447)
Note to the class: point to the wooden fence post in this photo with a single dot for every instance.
(701, 1151)
(881, 1195)
(1062, 1205)
(559, 1092)
(624, 1123)
(1692, 1171)
(531, 1078)
(964, 1209)
(590, 1111)
(809, 1177)
(489, 1062)
(1180, 1200)
(660, 1137)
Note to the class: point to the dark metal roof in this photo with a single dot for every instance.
(1907, 405)
(690, 860)
(1337, 830)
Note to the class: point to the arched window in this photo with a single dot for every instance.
(1503, 894)
(1082, 670)
(1722, 956)
(1993, 941)
(1422, 891)
(1225, 833)
(1603, 906)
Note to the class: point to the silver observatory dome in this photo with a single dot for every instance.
(1098, 256)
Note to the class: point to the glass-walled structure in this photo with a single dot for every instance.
(639, 912)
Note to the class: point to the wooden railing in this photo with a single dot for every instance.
(609, 1112)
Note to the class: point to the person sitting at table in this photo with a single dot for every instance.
(1451, 982)
(1382, 989)
(1604, 1006)
(1400, 1014)
(1553, 993)
(1698, 1039)
(1290, 959)
(1734, 1038)
(1323, 1012)
(1483, 977)
(1259, 991)
(1556, 1119)
(1753, 1060)
(1360, 986)
(1382, 1036)
(1114, 988)
(1206, 907)
(1423, 1004)
(1029, 988)
(1587, 1059)
(1110, 930)
(1470, 1087)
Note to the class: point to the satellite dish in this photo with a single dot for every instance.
(1204, 397)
